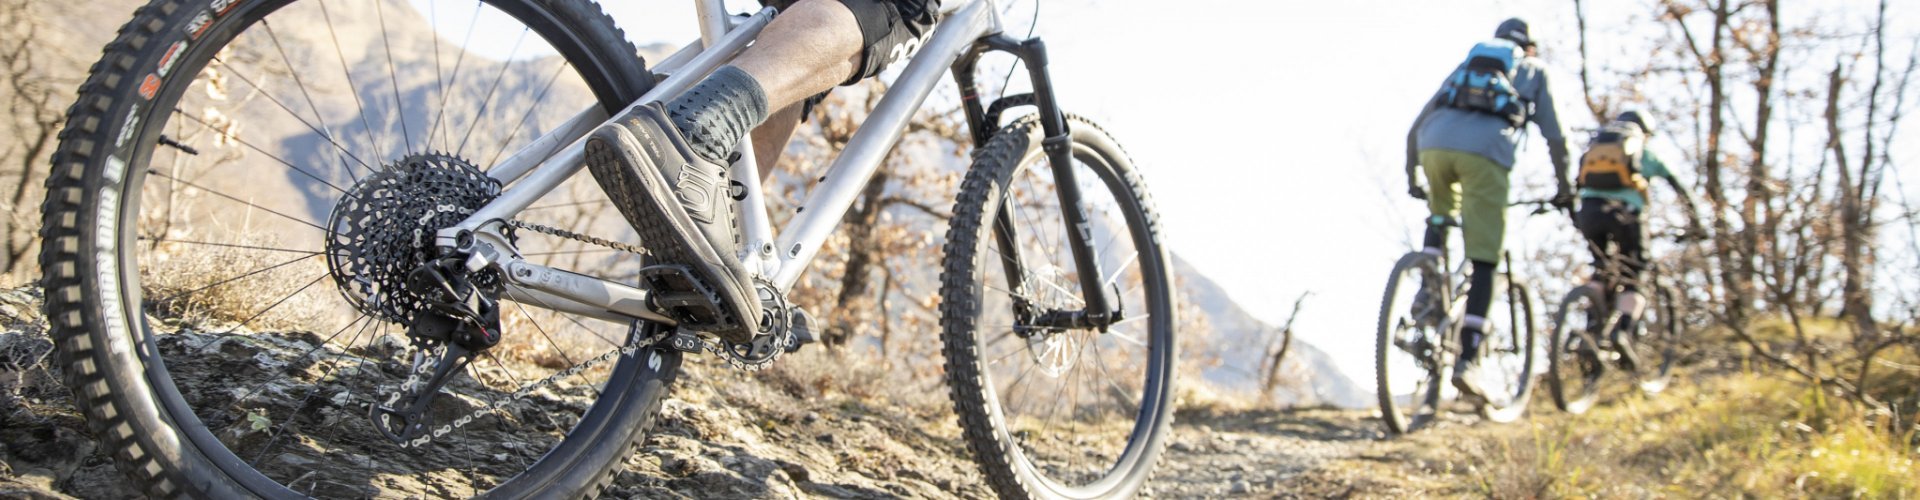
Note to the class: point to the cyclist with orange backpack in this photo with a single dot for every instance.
(1614, 176)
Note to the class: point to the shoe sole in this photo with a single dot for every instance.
(1468, 393)
(643, 197)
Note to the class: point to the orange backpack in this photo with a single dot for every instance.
(1612, 160)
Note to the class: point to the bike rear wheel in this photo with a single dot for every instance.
(1509, 352)
(1049, 411)
(1575, 361)
(194, 216)
(1410, 350)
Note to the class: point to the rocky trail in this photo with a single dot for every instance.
(786, 433)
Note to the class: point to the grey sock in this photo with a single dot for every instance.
(718, 111)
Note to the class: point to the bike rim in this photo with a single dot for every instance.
(1080, 406)
(1654, 344)
(1412, 356)
(1575, 361)
(287, 110)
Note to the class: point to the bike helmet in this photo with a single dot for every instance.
(1514, 30)
(1637, 118)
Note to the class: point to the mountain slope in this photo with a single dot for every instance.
(1241, 342)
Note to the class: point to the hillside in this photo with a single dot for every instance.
(1240, 341)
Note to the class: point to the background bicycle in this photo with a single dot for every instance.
(1418, 341)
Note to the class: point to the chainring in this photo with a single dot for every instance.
(385, 225)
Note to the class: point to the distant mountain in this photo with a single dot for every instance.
(1240, 343)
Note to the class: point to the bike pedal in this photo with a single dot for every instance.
(684, 297)
(801, 326)
(685, 341)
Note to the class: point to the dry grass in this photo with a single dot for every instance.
(1744, 434)
(817, 373)
(197, 284)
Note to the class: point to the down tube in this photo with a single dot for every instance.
(828, 202)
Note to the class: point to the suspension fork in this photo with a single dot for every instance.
(1058, 145)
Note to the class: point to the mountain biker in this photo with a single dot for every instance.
(1474, 147)
(679, 150)
(1610, 217)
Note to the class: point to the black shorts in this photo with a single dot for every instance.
(1612, 227)
(890, 30)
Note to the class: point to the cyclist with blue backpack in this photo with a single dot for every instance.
(1467, 135)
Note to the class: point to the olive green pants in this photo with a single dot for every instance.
(1480, 202)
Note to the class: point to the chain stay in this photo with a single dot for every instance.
(738, 361)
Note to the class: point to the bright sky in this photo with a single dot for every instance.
(1272, 133)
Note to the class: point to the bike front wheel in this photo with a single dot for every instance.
(1575, 360)
(1410, 353)
(1048, 409)
(240, 189)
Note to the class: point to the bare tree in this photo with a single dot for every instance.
(1284, 341)
(34, 101)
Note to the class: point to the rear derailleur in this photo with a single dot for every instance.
(459, 316)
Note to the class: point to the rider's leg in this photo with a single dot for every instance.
(771, 138)
(810, 47)
(805, 50)
(1630, 237)
(1483, 214)
(1443, 202)
(669, 160)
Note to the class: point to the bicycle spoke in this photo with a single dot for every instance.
(229, 245)
(491, 88)
(540, 98)
(1124, 336)
(280, 430)
(276, 304)
(393, 77)
(240, 201)
(296, 116)
(256, 272)
(352, 87)
(455, 78)
(249, 145)
(326, 130)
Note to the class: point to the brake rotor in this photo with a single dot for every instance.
(385, 225)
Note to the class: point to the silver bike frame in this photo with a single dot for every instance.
(540, 167)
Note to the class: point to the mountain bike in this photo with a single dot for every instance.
(370, 210)
(1586, 340)
(1419, 340)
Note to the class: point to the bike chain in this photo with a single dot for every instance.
(738, 361)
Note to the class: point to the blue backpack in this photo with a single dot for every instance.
(1485, 82)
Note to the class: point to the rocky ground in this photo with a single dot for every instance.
(786, 433)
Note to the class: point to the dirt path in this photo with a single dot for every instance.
(795, 432)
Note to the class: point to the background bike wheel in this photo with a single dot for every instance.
(1657, 341)
(1574, 363)
(1510, 352)
(1057, 413)
(1409, 355)
(204, 333)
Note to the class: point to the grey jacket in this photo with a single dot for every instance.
(1442, 127)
